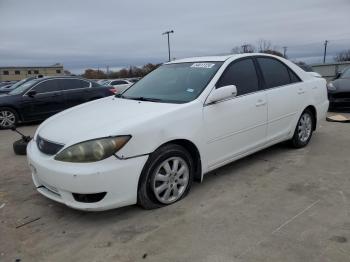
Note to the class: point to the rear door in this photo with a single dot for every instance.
(236, 126)
(76, 91)
(47, 101)
(286, 96)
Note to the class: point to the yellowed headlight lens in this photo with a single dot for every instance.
(93, 150)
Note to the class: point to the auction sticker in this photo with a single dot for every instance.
(202, 65)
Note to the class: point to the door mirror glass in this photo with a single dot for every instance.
(338, 75)
(222, 93)
(32, 93)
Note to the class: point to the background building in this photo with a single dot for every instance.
(14, 73)
(330, 70)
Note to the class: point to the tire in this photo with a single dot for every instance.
(303, 130)
(20, 147)
(8, 118)
(173, 185)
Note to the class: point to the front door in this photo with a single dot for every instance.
(47, 101)
(236, 126)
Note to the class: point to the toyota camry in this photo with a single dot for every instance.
(188, 117)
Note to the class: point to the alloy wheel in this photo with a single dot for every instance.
(304, 127)
(171, 180)
(7, 119)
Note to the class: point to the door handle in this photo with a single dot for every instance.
(260, 103)
(315, 87)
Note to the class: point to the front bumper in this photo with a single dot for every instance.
(60, 180)
(339, 100)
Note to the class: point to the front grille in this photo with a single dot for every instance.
(341, 95)
(48, 147)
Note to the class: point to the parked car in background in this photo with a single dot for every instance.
(40, 98)
(181, 121)
(101, 81)
(134, 80)
(307, 68)
(118, 85)
(8, 88)
(5, 89)
(339, 91)
(6, 83)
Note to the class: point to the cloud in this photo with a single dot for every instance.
(85, 33)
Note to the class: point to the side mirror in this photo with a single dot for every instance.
(222, 93)
(31, 93)
(338, 75)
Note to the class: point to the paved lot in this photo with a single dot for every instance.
(277, 205)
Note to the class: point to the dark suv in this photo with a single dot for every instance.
(40, 98)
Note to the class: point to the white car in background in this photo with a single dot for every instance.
(119, 85)
(184, 119)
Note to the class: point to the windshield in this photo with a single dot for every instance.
(174, 83)
(346, 74)
(18, 89)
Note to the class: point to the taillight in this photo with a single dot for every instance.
(113, 90)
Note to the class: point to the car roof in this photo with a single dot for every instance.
(221, 58)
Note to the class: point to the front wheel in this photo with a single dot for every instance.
(167, 177)
(303, 130)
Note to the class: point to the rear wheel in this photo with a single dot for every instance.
(303, 130)
(8, 118)
(167, 177)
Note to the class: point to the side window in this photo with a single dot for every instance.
(70, 84)
(118, 82)
(94, 84)
(243, 75)
(293, 77)
(47, 86)
(274, 72)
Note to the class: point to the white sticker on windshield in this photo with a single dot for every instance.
(202, 65)
(189, 90)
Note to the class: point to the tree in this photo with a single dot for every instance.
(343, 56)
(131, 71)
(245, 48)
(273, 52)
(94, 74)
(264, 46)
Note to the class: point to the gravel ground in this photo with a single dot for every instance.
(280, 204)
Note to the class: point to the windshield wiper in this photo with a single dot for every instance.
(141, 98)
(119, 95)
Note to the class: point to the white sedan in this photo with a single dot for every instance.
(181, 121)
(119, 85)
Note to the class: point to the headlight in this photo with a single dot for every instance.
(331, 86)
(93, 150)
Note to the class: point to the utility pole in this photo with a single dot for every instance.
(168, 33)
(107, 71)
(325, 51)
(285, 51)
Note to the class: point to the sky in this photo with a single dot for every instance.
(84, 34)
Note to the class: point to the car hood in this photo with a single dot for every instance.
(342, 84)
(101, 118)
